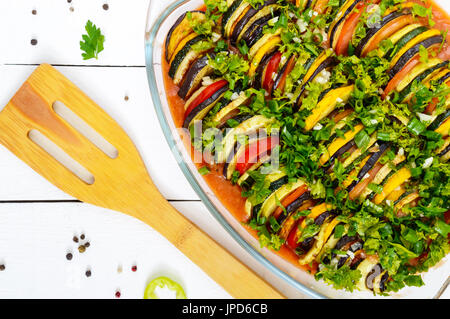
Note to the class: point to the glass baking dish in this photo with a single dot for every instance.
(157, 29)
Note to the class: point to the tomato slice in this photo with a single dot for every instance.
(289, 199)
(206, 94)
(254, 151)
(392, 84)
(292, 239)
(386, 32)
(289, 68)
(272, 67)
(362, 185)
(348, 29)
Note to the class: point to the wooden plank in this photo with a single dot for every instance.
(108, 87)
(35, 238)
(58, 30)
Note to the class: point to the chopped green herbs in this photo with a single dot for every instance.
(92, 43)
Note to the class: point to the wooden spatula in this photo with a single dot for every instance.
(119, 181)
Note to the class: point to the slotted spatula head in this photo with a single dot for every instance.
(116, 180)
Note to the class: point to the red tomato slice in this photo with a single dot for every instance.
(348, 29)
(272, 67)
(386, 32)
(292, 239)
(254, 151)
(289, 68)
(206, 94)
(289, 199)
(392, 84)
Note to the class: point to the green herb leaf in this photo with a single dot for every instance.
(92, 43)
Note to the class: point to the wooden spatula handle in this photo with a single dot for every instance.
(235, 277)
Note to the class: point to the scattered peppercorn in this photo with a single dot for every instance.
(88, 273)
(87, 244)
(34, 41)
(72, 9)
(81, 249)
(2, 267)
(69, 256)
(134, 268)
(105, 6)
(126, 98)
(69, 1)
(118, 294)
(119, 269)
(82, 236)
(34, 12)
(75, 239)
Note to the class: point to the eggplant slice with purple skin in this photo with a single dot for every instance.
(372, 31)
(260, 71)
(292, 207)
(329, 62)
(203, 108)
(410, 53)
(180, 29)
(193, 78)
(252, 15)
(255, 31)
(383, 146)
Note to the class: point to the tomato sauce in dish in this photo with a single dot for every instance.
(230, 195)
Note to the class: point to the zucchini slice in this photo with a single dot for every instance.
(270, 204)
(250, 16)
(338, 22)
(262, 54)
(366, 267)
(323, 62)
(193, 78)
(361, 50)
(246, 127)
(397, 179)
(179, 31)
(421, 72)
(339, 142)
(183, 58)
(440, 119)
(229, 110)
(401, 38)
(426, 39)
(324, 234)
(246, 181)
(327, 104)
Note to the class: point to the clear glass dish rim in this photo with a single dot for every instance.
(150, 36)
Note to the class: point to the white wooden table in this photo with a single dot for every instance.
(37, 221)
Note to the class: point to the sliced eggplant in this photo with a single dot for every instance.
(329, 224)
(200, 111)
(232, 15)
(180, 30)
(293, 207)
(183, 58)
(327, 104)
(439, 120)
(371, 32)
(250, 16)
(255, 31)
(193, 78)
(338, 22)
(366, 267)
(261, 70)
(323, 62)
(285, 67)
(383, 146)
(230, 110)
(338, 143)
(403, 56)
